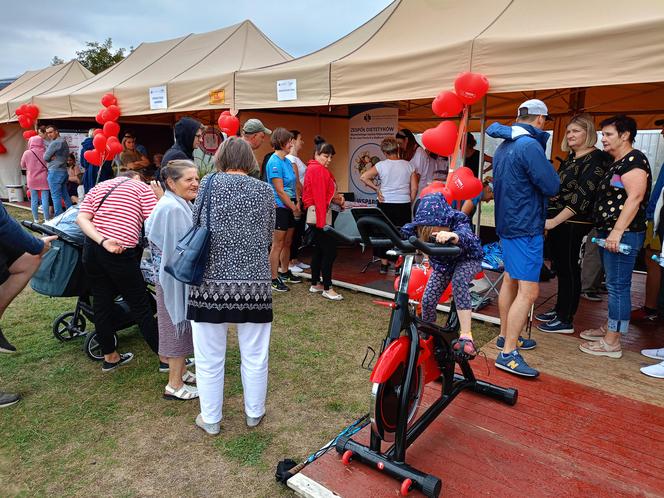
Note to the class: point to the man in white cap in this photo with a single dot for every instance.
(523, 181)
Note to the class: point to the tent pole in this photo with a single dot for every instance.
(481, 168)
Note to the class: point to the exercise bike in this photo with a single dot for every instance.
(402, 371)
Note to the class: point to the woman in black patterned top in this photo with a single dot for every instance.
(237, 285)
(620, 218)
(570, 218)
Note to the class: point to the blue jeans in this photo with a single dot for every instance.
(57, 183)
(618, 268)
(34, 203)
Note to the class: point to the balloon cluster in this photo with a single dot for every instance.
(27, 117)
(105, 140)
(444, 139)
(228, 123)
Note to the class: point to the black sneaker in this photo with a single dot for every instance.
(5, 345)
(591, 296)
(124, 358)
(279, 286)
(8, 399)
(289, 278)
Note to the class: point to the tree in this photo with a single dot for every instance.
(57, 60)
(99, 56)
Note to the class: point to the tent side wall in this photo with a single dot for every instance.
(10, 162)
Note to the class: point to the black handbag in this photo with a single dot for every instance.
(188, 262)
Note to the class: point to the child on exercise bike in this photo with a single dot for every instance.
(436, 220)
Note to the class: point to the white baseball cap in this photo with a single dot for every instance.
(533, 107)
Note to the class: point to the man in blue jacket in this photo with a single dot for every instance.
(523, 181)
(56, 156)
(20, 255)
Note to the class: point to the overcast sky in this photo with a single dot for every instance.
(33, 31)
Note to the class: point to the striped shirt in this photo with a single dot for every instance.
(122, 214)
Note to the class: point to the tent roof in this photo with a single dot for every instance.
(415, 48)
(32, 83)
(189, 66)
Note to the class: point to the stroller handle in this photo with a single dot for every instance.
(48, 230)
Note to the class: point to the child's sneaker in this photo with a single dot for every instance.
(521, 343)
(515, 364)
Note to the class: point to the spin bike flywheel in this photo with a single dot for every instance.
(385, 402)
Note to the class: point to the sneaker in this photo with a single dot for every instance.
(279, 286)
(5, 345)
(593, 334)
(656, 370)
(289, 278)
(591, 296)
(211, 429)
(655, 354)
(8, 399)
(314, 289)
(515, 364)
(295, 269)
(332, 295)
(304, 266)
(521, 343)
(384, 269)
(643, 314)
(601, 348)
(254, 421)
(546, 317)
(107, 366)
(556, 327)
(163, 367)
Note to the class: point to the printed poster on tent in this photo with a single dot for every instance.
(368, 127)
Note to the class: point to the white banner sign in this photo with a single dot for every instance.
(366, 131)
(286, 90)
(158, 97)
(74, 141)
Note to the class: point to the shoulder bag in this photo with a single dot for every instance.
(187, 263)
(311, 216)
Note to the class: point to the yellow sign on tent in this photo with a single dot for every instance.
(217, 96)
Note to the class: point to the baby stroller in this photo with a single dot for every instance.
(61, 274)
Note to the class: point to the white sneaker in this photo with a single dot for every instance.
(304, 266)
(656, 370)
(211, 429)
(295, 269)
(655, 354)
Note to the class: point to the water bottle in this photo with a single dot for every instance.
(622, 248)
(658, 259)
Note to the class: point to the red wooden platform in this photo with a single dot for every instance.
(590, 314)
(560, 439)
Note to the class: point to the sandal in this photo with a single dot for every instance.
(185, 393)
(188, 377)
(464, 346)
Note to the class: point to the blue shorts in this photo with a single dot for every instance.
(523, 257)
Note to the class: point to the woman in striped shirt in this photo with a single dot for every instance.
(111, 216)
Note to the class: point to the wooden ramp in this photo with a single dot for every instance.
(562, 438)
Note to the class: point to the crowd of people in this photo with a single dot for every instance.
(256, 237)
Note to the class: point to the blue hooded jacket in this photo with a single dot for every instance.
(90, 171)
(523, 180)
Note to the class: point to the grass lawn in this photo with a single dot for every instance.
(79, 432)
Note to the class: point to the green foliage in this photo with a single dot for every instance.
(57, 61)
(100, 56)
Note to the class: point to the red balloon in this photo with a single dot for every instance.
(25, 121)
(108, 100)
(447, 104)
(471, 87)
(96, 132)
(28, 134)
(228, 124)
(99, 142)
(3, 149)
(111, 129)
(441, 139)
(32, 111)
(463, 185)
(114, 147)
(433, 187)
(99, 118)
(112, 113)
(20, 110)
(92, 156)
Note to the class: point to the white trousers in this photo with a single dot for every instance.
(210, 353)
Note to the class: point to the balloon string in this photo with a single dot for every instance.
(461, 139)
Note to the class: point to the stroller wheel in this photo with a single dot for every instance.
(65, 328)
(93, 347)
